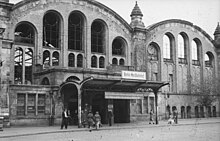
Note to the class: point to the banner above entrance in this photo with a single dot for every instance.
(133, 75)
(123, 95)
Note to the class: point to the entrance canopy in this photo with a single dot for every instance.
(121, 85)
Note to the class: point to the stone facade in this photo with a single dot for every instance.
(32, 91)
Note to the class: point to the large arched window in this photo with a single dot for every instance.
(18, 65)
(98, 37)
(79, 60)
(55, 59)
(46, 58)
(71, 62)
(51, 30)
(168, 43)
(182, 48)
(101, 62)
(118, 47)
(75, 31)
(94, 62)
(24, 33)
(196, 45)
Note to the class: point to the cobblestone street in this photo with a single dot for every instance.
(187, 132)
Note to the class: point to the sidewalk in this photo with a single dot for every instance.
(27, 131)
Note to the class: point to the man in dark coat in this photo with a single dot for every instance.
(64, 119)
(110, 116)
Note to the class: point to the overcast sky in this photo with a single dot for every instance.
(203, 13)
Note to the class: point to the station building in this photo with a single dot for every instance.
(59, 54)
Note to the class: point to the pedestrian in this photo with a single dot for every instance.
(64, 119)
(110, 116)
(151, 117)
(90, 120)
(175, 116)
(83, 118)
(97, 119)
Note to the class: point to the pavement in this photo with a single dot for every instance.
(16, 131)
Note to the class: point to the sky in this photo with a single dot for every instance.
(203, 13)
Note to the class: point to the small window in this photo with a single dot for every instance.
(46, 58)
(94, 62)
(55, 60)
(101, 62)
(31, 104)
(21, 100)
(121, 62)
(41, 104)
(79, 60)
(45, 81)
(114, 61)
(71, 59)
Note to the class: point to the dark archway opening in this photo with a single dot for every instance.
(69, 94)
(121, 110)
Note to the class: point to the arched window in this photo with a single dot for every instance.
(71, 62)
(152, 52)
(196, 45)
(94, 62)
(28, 65)
(24, 33)
(115, 61)
(72, 78)
(209, 59)
(121, 62)
(101, 62)
(182, 48)
(46, 58)
(167, 47)
(45, 81)
(118, 47)
(51, 30)
(79, 60)
(55, 60)
(75, 31)
(18, 65)
(98, 37)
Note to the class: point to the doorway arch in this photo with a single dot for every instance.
(69, 95)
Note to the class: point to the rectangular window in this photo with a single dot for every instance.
(145, 105)
(41, 104)
(31, 110)
(21, 104)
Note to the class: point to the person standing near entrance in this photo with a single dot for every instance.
(110, 116)
(64, 119)
(90, 120)
(175, 116)
(151, 117)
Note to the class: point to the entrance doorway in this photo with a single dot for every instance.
(69, 94)
(121, 110)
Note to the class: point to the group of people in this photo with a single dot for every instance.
(172, 119)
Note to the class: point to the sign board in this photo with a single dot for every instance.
(133, 75)
(123, 95)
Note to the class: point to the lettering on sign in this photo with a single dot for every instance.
(133, 75)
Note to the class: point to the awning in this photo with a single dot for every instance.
(121, 85)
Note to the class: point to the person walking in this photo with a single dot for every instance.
(64, 119)
(97, 119)
(151, 117)
(175, 116)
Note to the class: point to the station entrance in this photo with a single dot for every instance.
(69, 95)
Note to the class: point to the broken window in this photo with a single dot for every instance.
(51, 30)
(118, 47)
(79, 61)
(121, 62)
(46, 58)
(71, 62)
(209, 59)
(24, 33)
(114, 61)
(28, 65)
(75, 30)
(101, 62)
(98, 37)
(94, 62)
(55, 60)
(18, 64)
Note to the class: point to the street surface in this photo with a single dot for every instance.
(194, 132)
